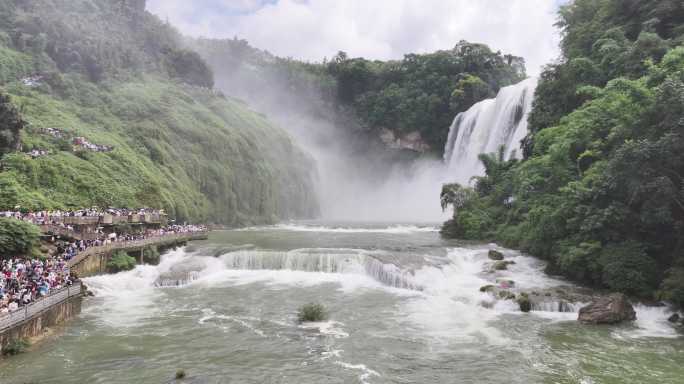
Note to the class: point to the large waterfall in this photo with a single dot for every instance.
(487, 126)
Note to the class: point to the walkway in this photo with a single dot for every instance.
(137, 244)
(29, 311)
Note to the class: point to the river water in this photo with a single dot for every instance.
(404, 306)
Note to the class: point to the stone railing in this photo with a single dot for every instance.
(38, 306)
(137, 244)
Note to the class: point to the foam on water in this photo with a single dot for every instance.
(366, 373)
(245, 322)
(126, 298)
(395, 229)
(442, 301)
(328, 328)
(651, 322)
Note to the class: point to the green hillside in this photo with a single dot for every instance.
(115, 75)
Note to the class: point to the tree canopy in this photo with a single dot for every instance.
(600, 193)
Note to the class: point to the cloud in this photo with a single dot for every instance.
(376, 29)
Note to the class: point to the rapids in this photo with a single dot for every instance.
(405, 307)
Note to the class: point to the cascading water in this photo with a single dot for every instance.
(485, 127)
(323, 260)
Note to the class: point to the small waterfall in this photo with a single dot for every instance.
(323, 260)
(486, 126)
(181, 273)
(556, 306)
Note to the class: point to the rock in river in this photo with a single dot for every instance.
(611, 309)
(495, 255)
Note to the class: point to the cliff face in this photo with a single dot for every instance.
(115, 77)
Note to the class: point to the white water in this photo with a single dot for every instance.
(485, 127)
(410, 293)
(394, 229)
(444, 300)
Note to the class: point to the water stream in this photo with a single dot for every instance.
(405, 307)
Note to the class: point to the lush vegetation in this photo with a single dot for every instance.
(151, 255)
(11, 124)
(121, 261)
(118, 76)
(17, 237)
(312, 313)
(600, 193)
(421, 93)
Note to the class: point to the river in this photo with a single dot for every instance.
(405, 307)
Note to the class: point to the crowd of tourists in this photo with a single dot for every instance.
(36, 153)
(56, 216)
(22, 281)
(54, 132)
(83, 143)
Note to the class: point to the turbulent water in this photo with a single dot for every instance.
(487, 126)
(405, 307)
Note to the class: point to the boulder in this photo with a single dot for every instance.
(487, 288)
(524, 302)
(495, 255)
(674, 318)
(501, 265)
(611, 309)
(506, 295)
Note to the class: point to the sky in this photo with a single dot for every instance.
(375, 29)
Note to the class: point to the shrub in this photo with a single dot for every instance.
(627, 268)
(121, 261)
(16, 347)
(17, 237)
(312, 312)
(151, 255)
(180, 374)
(673, 287)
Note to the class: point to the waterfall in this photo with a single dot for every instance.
(556, 306)
(485, 127)
(325, 261)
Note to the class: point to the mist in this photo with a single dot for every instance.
(357, 177)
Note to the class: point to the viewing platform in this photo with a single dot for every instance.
(94, 260)
(61, 305)
(39, 306)
(105, 220)
(78, 234)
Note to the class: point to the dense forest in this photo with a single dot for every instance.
(600, 191)
(420, 93)
(102, 106)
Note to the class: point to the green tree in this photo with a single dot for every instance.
(11, 125)
(17, 237)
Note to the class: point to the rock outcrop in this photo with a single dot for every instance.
(611, 309)
(495, 255)
(524, 302)
(502, 265)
